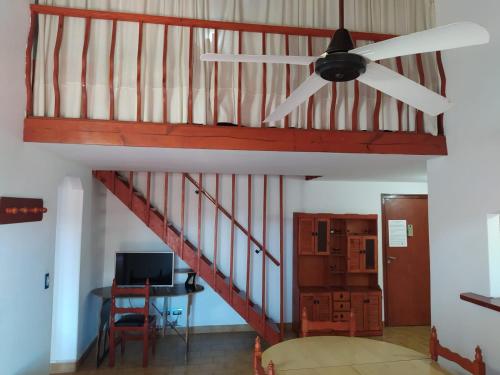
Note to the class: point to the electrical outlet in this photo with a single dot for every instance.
(47, 281)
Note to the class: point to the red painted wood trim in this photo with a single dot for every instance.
(85, 50)
(376, 112)
(112, 72)
(355, 107)
(399, 64)
(130, 188)
(148, 197)
(123, 133)
(139, 63)
(310, 102)
(55, 74)
(206, 24)
(264, 84)
(183, 204)
(216, 79)
(240, 94)
(442, 76)
(30, 64)
(165, 206)
(231, 258)
(190, 92)
(236, 222)
(333, 107)
(288, 78)
(264, 243)
(249, 242)
(216, 225)
(420, 115)
(200, 183)
(484, 301)
(164, 74)
(282, 268)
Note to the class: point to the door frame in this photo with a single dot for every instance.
(385, 239)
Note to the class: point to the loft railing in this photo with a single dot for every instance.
(240, 28)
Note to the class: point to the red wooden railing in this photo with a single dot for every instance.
(197, 257)
(264, 30)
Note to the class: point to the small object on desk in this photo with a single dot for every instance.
(191, 281)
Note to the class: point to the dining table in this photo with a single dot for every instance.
(339, 355)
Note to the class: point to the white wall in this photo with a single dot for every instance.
(27, 250)
(125, 232)
(463, 187)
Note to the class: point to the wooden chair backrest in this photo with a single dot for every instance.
(257, 361)
(309, 326)
(475, 367)
(134, 292)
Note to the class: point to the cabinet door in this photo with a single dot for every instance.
(322, 235)
(369, 254)
(358, 307)
(306, 238)
(373, 319)
(355, 246)
(307, 301)
(323, 307)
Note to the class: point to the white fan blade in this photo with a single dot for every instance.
(455, 35)
(297, 97)
(404, 89)
(270, 59)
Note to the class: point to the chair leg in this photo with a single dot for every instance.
(111, 348)
(145, 342)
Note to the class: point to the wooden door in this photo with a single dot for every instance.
(306, 240)
(308, 301)
(354, 249)
(358, 307)
(373, 310)
(323, 307)
(406, 269)
(322, 233)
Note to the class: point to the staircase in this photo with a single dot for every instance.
(239, 300)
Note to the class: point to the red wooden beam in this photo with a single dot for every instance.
(200, 183)
(112, 72)
(139, 62)
(442, 76)
(206, 24)
(264, 84)
(420, 115)
(55, 74)
(399, 64)
(130, 188)
(190, 83)
(183, 204)
(123, 133)
(148, 197)
(355, 107)
(165, 206)
(310, 102)
(288, 78)
(164, 74)
(333, 106)
(216, 79)
(30, 64)
(216, 225)
(376, 111)
(83, 108)
(240, 80)
(264, 243)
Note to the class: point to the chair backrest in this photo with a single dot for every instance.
(475, 367)
(133, 292)
(309, 326)
(257, 361)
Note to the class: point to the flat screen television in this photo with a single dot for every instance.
(132, 269)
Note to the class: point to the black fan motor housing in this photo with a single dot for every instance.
(340, 66)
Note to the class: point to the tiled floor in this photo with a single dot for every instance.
(221, 353)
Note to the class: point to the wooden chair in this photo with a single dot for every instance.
(475, 367)
(257, 361)
(134, 323)
(309, 326)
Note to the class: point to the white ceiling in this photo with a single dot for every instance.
(359, 167)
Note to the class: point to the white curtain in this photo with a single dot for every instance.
(383, 16)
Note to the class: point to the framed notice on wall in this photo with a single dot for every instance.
(397, 233)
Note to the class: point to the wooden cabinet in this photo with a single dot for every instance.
(318, 305)
(367, 310)
(362, 254)
(335, 270)
(314, 235)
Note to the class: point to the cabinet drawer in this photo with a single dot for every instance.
(341, 306)
(341, 316)
(341, 296)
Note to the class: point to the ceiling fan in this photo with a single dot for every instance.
(342, 62)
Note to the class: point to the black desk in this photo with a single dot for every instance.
(177, 290)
